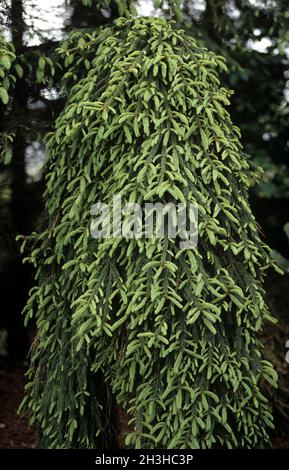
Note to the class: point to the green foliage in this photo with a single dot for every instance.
(5, 147)
(7, 81)
(7, 57)
(275, 338)
(125, 7)
(173, 331)
(259, 106)
(10, 70)
(171, 6)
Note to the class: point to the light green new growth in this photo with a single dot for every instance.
(173, 331)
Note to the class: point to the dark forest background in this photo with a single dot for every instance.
(253, 35)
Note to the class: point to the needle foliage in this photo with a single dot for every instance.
(173, 332)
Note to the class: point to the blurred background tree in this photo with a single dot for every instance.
(253, 35)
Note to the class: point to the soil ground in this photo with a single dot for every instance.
(14, 429)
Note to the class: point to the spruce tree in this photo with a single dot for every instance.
(173, 332)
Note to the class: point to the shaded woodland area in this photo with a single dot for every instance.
(253, 36)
